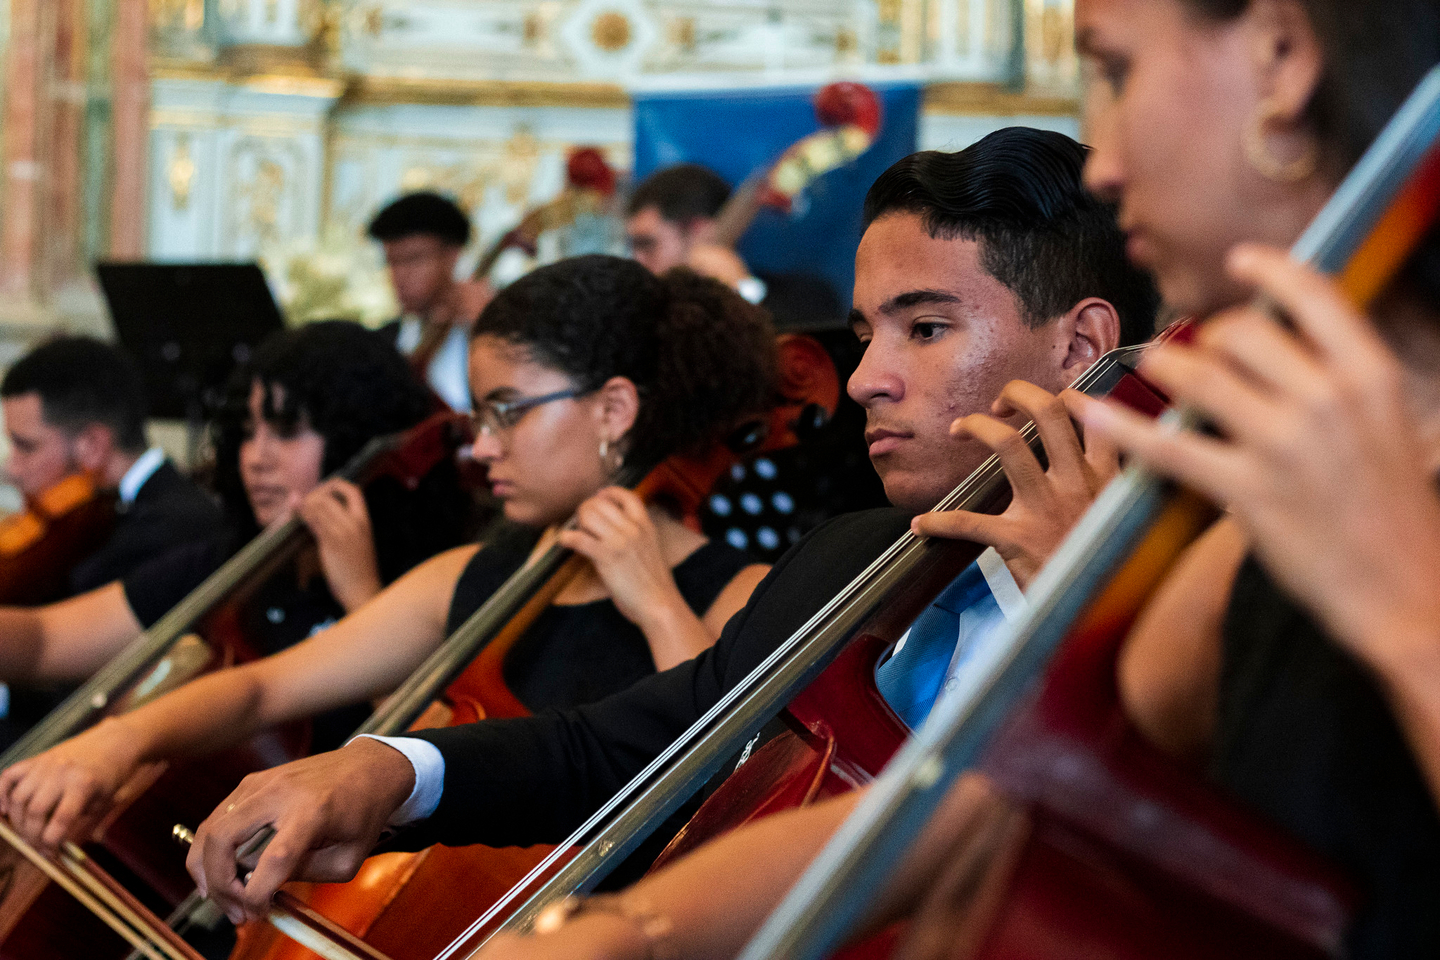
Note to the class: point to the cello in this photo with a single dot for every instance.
(167, 654)
(403, 904)
(1118, 848)
(614, 845)
(59, 527)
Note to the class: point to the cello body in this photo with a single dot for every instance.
(38, 919)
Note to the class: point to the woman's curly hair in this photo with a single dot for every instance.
(702, 358)
(348, 384)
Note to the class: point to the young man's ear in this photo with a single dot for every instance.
(93, 446)
(1092, 329)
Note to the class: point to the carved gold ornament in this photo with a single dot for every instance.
(610, 31)
(181, 174)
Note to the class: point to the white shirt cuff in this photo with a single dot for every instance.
(429, 766)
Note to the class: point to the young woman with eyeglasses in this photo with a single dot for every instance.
(576, 369)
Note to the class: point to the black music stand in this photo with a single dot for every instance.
(187, 325)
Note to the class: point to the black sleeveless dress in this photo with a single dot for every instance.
(1306, 737)
(577, 654)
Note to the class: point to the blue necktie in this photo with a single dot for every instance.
(911, 679)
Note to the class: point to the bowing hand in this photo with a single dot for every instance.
(336, 514)
(1318, 455)
(327, 811)
(47, 795)
(1046, 500)
(613, 530)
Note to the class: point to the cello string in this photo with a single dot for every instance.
(73, 887)
(641, 786)
(84, 869)
(820, 908)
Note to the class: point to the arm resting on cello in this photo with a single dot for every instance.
(68, 640)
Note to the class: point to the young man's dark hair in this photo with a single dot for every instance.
(681, 193)
(421, 213)
(1018, 193)
(81, 381)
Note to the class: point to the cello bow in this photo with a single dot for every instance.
(467, 670)
(1100, 576)
(882, 599)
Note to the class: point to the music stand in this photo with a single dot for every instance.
(187, 325)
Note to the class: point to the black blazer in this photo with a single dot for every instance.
(535, 779)
(168, 510)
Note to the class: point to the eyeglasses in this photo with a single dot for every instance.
(494, 417)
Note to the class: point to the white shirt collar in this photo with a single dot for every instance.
(141, 470)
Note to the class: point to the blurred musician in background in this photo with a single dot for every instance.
(76, 405)
(670, 222)
(306, 403)
(422, 235)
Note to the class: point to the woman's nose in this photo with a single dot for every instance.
(486, 446)
(1103, 175)
(257, 453)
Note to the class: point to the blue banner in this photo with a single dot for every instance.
(738, 132)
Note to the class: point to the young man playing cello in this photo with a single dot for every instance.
(950, 313)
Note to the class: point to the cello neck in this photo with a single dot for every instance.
(739, 211)
(913, 566)
(1104, 569)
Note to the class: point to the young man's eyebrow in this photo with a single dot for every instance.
(917, 298)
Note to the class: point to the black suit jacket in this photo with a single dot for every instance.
(168, 510)
(533, 780)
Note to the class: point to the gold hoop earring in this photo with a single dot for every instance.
(611, 459)
(1258, 155)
